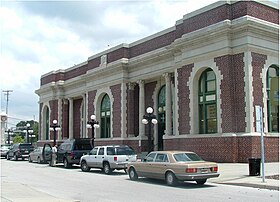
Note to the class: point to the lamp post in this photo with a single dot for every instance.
(93, 123)
(54, 127)
(150, 119)
(28, 129)
(9, 131)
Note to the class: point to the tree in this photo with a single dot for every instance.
(18, 139)
(34, 125)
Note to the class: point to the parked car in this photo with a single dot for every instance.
(70, 151)
(173, 166)
(20, 150)
(108, 158)
(4, 149)
(37, 155)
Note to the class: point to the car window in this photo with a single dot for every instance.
(125, 151)
(183, 157)
(150, 157)
(93, 151)
(110, 151)
(161, 158)
(101, 151)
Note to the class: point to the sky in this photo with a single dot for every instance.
(37, 37)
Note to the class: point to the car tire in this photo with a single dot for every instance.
(132, 174)
(171, 179)
(29, 159)
(15, 157)
(106, 168)
(66, 164)
(201, 182)
(84, 166)
(8, 158)
(39, 160)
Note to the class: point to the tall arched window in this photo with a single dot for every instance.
(207, 102)
(272, 89)
(105, 117)
(161, 116)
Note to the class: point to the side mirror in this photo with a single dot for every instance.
(144, 160)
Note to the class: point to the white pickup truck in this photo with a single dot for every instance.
(108, 158)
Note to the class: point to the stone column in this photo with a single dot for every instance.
(141, 84)
(168, 107)
(71, 111)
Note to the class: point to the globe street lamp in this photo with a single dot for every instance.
(150, 119)
(28, 130)
(54, 127)
(9, 131)
(92, 124)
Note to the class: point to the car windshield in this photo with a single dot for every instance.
(25, 146)
(184, 157)
(5, 147)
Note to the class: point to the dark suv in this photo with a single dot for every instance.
(71, 150)
(20, 150)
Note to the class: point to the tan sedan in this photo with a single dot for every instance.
(173, 166)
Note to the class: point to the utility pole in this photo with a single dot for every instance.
(7, 94)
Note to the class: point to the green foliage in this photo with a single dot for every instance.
(34, 125)
(18, 139)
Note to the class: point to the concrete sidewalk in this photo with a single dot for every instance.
(238, 174)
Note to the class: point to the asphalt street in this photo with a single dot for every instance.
(22, 181)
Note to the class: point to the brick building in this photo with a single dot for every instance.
(203, 77)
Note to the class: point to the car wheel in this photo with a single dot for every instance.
(132, 174)
(84, 166)
(66, 163)
(171, 179)
(106, 168)
(15, 157)
(39, 160)
(29, 159)
(8, 158)
(201, 182)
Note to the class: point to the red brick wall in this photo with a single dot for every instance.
(183, 99)
(227, 149)
(149, 102)
(77, 117)
(65, 120)
(91, 98)
(118, 54)
(130, 110)
(53, 113)
(258, 61)
(232, 92)
(117, 109)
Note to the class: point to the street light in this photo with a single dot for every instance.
(149, 119)
(28, 129)
(54, 127)
(92, 124)
(9, 131)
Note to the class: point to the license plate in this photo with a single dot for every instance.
(204, 170)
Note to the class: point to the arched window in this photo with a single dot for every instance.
(161, 116)
(105, 117)
(207, 102)
(272, 89)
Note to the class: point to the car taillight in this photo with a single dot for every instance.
(72, 155)
(115, 158)
(214, 169)
(191, 170)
